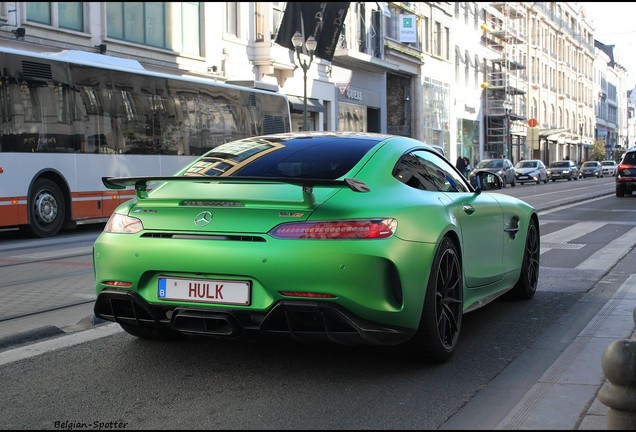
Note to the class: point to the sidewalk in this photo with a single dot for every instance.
(565, 397)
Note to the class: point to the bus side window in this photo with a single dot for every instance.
(95, 142)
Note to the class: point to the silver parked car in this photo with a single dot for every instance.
(531, 171)
(563, 170)
(591, 169)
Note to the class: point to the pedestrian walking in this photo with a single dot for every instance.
(467, 167)
(461, 165)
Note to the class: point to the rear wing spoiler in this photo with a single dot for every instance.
(307, 184)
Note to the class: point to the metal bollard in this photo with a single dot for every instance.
(619, 393)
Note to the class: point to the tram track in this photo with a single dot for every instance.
(44, 257)
(37, 282)
(45, 310)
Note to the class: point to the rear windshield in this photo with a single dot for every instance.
(559, 164)
(630, 157)
(526, 164)
(490, 163)
(324, 157)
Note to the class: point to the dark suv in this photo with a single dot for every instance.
(626, 174)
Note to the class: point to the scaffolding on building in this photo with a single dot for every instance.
(504, 88)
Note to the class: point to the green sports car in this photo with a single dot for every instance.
(352, 238)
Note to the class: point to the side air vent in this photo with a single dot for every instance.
(36, 70)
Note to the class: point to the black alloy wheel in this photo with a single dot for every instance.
(437, 335)
(526, 286)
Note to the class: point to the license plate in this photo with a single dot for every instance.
(523, 177)
(204, 290)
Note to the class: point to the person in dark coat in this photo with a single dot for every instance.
(461, 164)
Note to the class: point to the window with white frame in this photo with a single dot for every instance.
(65, 15)
(168, 25)
(232, 27)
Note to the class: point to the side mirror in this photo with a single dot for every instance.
(486, 181)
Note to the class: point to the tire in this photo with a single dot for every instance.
(620, 191)
(438, 332)
(151, 333)
(526, 286)
(47, 208)
(514, 182)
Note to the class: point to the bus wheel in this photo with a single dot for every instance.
(46, 208)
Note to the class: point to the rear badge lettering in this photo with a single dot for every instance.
(291, 214)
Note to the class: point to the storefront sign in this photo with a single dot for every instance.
(408, 28)
(346, 91)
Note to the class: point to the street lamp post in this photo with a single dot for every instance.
(581, 123)
(310, 44)
(508, 106)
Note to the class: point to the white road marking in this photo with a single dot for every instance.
(56, 343)
(609, 255)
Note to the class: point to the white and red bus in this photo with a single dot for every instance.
(70, 118)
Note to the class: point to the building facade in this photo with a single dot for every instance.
(481, 79)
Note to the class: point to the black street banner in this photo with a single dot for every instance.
(322, 20)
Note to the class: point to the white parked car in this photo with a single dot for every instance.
(609, 167)
(533, 171)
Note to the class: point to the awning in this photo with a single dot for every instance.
(468, 60)
(458, 53)
(551, 134)
(479, 65)
(296, 104)
(384, 8)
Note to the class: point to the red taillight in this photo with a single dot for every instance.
(306, 294)
(337, 230)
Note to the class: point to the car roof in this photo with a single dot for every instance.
(324, 155)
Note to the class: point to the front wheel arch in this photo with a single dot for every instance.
(440, 323)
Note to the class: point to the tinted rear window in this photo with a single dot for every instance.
(324, 157)
(630, 158)
(526, 164)
(490, 163)
(559, 164)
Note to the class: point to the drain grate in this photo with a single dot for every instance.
(561, 245)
